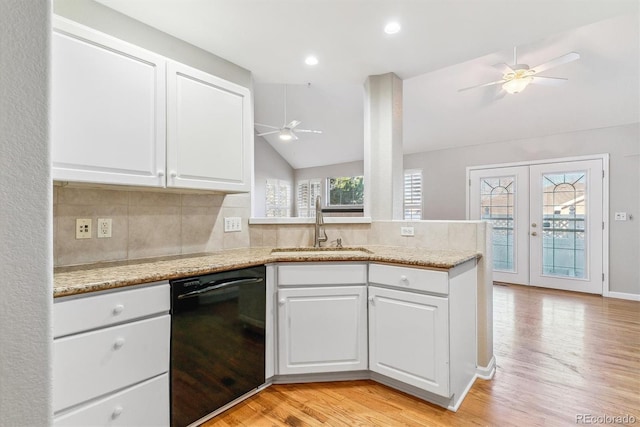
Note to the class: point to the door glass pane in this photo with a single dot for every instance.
(563, 224)
(497, 198)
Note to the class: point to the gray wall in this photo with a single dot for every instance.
(444, 174)
(268, 164)
(106, 20)
(25, 215)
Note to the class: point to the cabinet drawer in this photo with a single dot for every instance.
(410, 278)
(322, 274)
(95, 363)
(145, 404)
(91, 312)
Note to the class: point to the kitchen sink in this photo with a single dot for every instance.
(306, 251)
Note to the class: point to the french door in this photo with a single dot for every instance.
(547, 222)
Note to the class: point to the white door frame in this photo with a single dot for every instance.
(605, 199)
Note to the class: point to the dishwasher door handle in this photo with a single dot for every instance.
(221, 284)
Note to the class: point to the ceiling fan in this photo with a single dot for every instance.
(517, 77)
(286, 132)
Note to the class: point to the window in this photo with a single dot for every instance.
(278, 198)
(345, 191)
(413, 194)
(308, 190)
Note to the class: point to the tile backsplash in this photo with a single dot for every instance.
(145, 224)
(153, 223)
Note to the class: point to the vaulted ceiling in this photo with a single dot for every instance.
(444, 45)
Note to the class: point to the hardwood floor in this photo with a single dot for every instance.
(559, 355)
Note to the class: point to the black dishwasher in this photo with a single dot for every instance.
(217, 341)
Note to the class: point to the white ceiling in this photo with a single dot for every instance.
(444, 45)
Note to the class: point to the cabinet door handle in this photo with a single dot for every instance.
(282, 301)
(533, 233)
(116, 412)
(372, 300)
(118, 309)
(160, 173)
(118, 344)
(174, 174)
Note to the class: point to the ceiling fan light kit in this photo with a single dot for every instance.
(518, 76)
(288, 131)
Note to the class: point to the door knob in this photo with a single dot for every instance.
(533, 233)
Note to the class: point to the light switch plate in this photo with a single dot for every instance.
(232, 224)
(406, 231)
(83, 228)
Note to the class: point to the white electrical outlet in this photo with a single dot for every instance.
(232, 224)
(104, 227)
(406, 231)
(621, 216)
(83, 228)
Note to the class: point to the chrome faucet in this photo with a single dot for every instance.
(319, 227)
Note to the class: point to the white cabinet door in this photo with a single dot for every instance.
(409, 338)
(108, 109)
(209, 131)
(322, 329)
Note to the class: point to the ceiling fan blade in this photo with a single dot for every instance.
(548, 81)
(293, 124)
(268, 133)
(503, 68)
(293, 136)
(497, 82)
(571, 56)
(266, 126)
(309, 131)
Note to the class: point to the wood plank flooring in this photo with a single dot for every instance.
(559, 355)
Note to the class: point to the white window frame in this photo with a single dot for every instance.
(412, 201)
(282, 204)
(305, 203)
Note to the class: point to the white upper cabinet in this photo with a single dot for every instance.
(123, 115)
(108, 109)
(209, 131)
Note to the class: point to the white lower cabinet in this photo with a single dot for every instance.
(322, 329)
(409, 339)
(422, 330)
(321, 318)
(111, 358)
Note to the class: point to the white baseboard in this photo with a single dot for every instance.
(623, 295)
(487, 372)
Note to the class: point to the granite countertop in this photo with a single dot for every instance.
(96, 277)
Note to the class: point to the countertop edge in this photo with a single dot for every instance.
(247, 260)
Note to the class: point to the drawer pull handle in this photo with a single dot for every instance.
(118, 344)
(116, 412)
(403, 278)
(118, 309)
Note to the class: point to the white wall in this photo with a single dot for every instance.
(25, 215)
(102, 18)
(339, 169)
(268, 164)
(444, 174)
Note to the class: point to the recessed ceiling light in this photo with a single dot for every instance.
(392, 27)
(311, 60)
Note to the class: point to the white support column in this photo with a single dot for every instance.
(383, 164)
